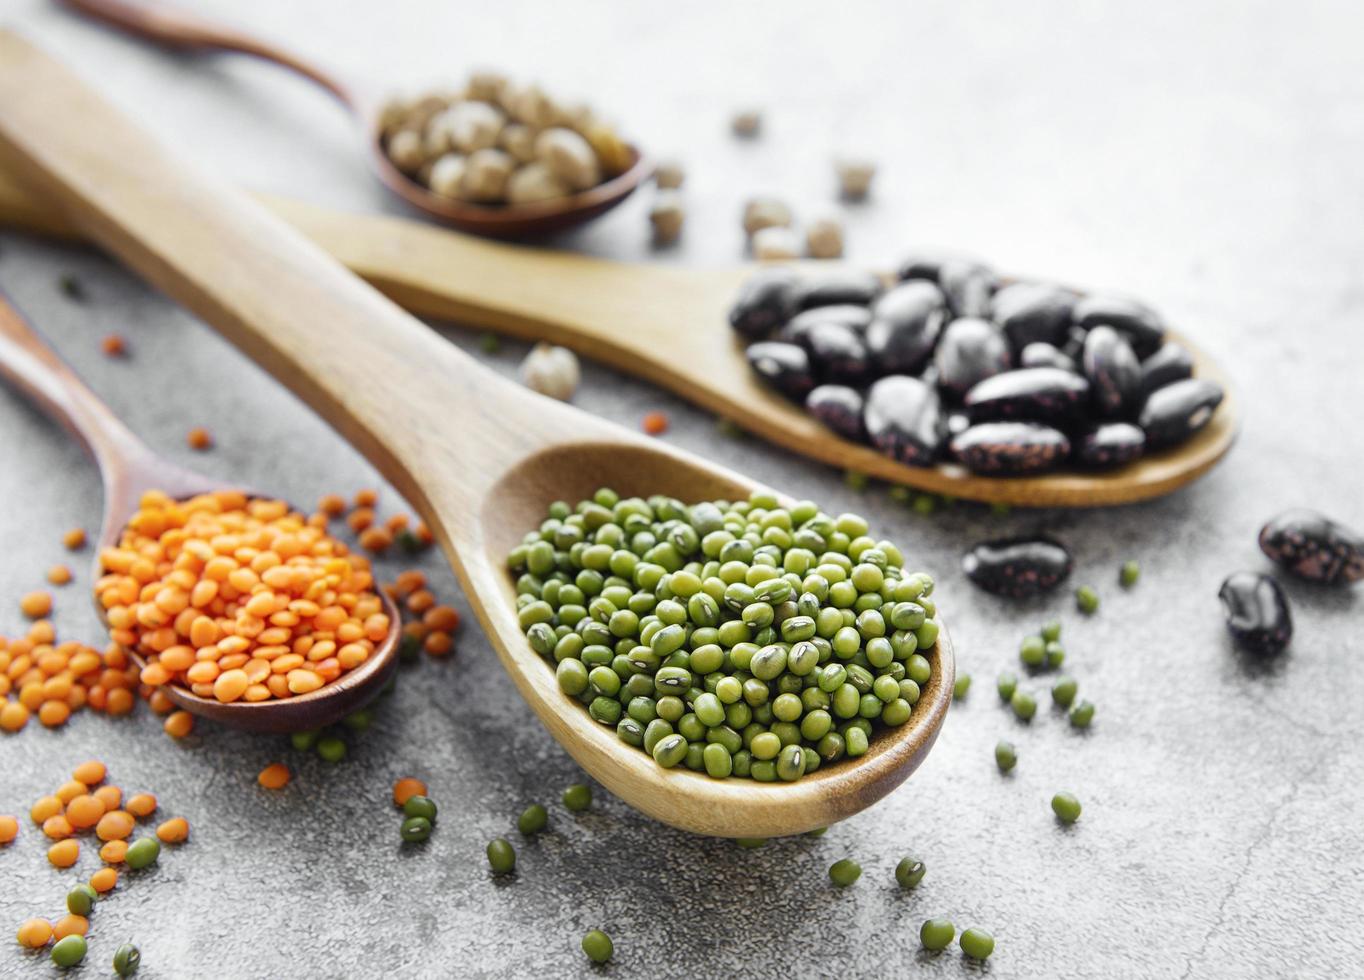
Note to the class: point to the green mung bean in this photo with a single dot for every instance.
(936, 934)
(532, 820)
(843, 873)
(578, 797)
(961, 686)
(81, 899)
(1066, 807)
(1086, 600)
(598, 946)
(501, 856)
(909, 872)
(735, 638)
(127, 958)
(1129, 574)
(69, 951)
(1082, 714)
(977, 943)
(1063, 691)
(1006, 756)
(1024, 705)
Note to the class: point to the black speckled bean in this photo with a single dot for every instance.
(1175, 412)
(840, 408)
(1311, 546)
(902, 419)
(1040, 394)
(765, 302)
(846, 287)
(1041, 354)
(904, 327)
(1113, 371)
(856, 317)
(837, 353)
(970, 351)
(1010, 448)
(1017, 567)
(784, 366)
(1029, 312)
(1256, 612)
(1143, 326)
(1166, 366)
(1110, 444)
(968, 286)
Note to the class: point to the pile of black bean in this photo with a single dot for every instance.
(951, 362)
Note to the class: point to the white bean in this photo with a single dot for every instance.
(765, 212)
(569, 157)
(824, 237)
(485, 177)
(776, 243)
(534, 182)
(667, 216)
(854, 178)
(551, 371)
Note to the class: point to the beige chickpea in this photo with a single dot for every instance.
(518, 139)
(436, 136)
(447, 176)
(667, 216)
(824, 237)
(486, 175)
(530, 105)
(569, 157)
(612, 152)
(670, 175)
(854, 177)
(474, 126)
(774, 243)
(551, 371)
(393, 115)
(746, 122)
(765, 212)
(405, 149)
(534, 182)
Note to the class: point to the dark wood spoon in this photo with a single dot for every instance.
(128, 469)
(181, 29)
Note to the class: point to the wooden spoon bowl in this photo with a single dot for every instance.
(478, 456)
(180, 29)
(129, 469)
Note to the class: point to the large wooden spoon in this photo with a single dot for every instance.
(479, 457)
(669, 326)
(180, 29)
(128, 468)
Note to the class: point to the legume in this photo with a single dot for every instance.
(578, 797)
(9, 829)
(936, 934)
(1006, 684)
(274, 776)
(69, 951)
(598, 946)
(416, 829)
(406, 788)
(127, 958)
(1086, 600)
(742, 639)
(1024, 705)
(1082, 714)
(142, 853)
(1127, 577)
(533, 819)
(909, 872)
(843, 873)
(81, 899)
(331, 748)
(420, 806)
(35, 933)
(1006, 756)
(1066, 807)
(501, 856)
(237, 598)
(1063, 691)
(977, 943)
(961, 686)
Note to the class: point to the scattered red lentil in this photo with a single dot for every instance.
(396, 523)
(376, 539)
(35, 933)
(438, 643)
(59, 575)
(366, 498)
(655, 423)
(110, 796)
(420, 601)
(423, 534)
(332, 504)
(84, 812)
(360, 519)
(141, 805)
(74, 539)
(64, 853)
(114, 851)
(70, 925)
(406, 788)
(36, 605)
(199, 438)
(441, 618)
(178, 724)
(274, 776)
(9, 829)
(408, 582)
(114, 825)
(104, 880)
(114, 345)
(173, 831)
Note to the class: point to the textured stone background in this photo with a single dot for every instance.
(1205, 156)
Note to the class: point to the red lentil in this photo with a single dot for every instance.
(655, 423)
(199, 438)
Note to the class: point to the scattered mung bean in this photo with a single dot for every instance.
(1082, 714)
(909, 872)
(977, 943)
(127, 958)
(1066, 807)
(1127, 577)
(533, 819)
(936, 934)
(1086, 600)
(501, 856)
(1006, 756)
(843, 873)
(598, 946)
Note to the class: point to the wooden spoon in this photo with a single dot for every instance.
(128, 469)
(478, 456)
(669, 326)
(181, 29)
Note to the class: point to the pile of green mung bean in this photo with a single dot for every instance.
(733, 638)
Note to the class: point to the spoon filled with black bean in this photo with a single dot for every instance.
(952, 366)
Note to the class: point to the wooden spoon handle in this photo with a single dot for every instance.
(36, 370)
(181, 29)
(361, 362)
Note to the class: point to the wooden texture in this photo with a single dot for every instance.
(128, 469)
(172, 27)
(668, 326)
(479, 457)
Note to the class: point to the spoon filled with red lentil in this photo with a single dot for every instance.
(239, 607)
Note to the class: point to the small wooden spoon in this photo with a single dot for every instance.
(669, 326)
(128, 469)
(181, 29)
(478, 456)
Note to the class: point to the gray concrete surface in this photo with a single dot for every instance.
(1205, 156)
